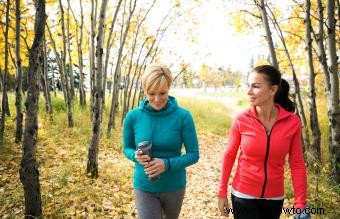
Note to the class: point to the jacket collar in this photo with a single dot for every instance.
(169, 108)
(282, 112)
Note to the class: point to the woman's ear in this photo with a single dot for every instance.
(275, 89)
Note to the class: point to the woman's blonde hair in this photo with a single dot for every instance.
(156, 75)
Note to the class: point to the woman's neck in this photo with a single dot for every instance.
(267, 112)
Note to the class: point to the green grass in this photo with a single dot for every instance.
(209, 116)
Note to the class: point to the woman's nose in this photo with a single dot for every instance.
(157, 98)
(249, 91)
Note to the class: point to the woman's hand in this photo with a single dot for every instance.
(223, 205)
(154, 167)
(140, 158)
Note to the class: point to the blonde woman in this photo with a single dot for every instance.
(153, 136)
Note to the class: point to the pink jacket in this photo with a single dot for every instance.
(260, 170)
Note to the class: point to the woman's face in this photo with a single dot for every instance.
(260, 92)
(158, 97)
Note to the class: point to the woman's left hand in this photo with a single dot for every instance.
(155, 167)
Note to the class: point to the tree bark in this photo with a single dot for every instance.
(69, 37)
(59, 63)
(79, 40)
(91, 49)
(108, 47)
(334, 81)
(63, 59)
(92, 164)
(82, 94)
(5, 107)
(321, 48)
(314, 124)
(44, 79)
(29, 173)
(268, 34)
(132, 8)
(18, 86)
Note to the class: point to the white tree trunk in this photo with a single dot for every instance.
(334, 81)
(92, 164)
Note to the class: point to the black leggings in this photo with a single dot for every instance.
(256, 208)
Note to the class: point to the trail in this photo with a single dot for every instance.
(203, 178)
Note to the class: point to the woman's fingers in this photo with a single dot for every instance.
(140, 158)
(223, 206)
(154, 167)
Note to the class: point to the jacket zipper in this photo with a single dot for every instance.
(265, 162)
(266, 156)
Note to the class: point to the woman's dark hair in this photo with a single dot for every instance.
(273, 76)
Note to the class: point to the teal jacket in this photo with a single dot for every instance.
(168, 129)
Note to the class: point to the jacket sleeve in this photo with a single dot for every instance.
(298, 170)
(229, 158)
(129, 138)
(190, 141)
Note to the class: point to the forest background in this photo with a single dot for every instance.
(61, 151)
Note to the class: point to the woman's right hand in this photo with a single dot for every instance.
(223, 205)
(142, 159)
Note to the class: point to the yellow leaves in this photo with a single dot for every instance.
(177, 3)
(243, 22)
(261, 62)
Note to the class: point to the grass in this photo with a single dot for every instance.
(62, 157)
(209, 116)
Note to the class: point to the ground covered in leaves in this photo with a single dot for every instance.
(68, 193)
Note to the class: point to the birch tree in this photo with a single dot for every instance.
(44, 82)
(334, 84)
(92, 164)
(262, 7)
(68, 43)
(29, 173)
(314, 124)
(5, 109)
(18, 87)
(66, 86)
(132, 7)
(79, 41)
(109, 46)
(91, 48)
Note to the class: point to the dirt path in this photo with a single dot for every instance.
(203, 177)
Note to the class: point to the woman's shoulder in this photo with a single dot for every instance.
(244, 114)
(133, 113)
(183, 111)
(294, 118)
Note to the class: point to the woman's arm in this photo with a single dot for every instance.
(229, 158)
(298, 170)
(129, 138)
(191, 146)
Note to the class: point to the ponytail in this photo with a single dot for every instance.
(282, 98)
